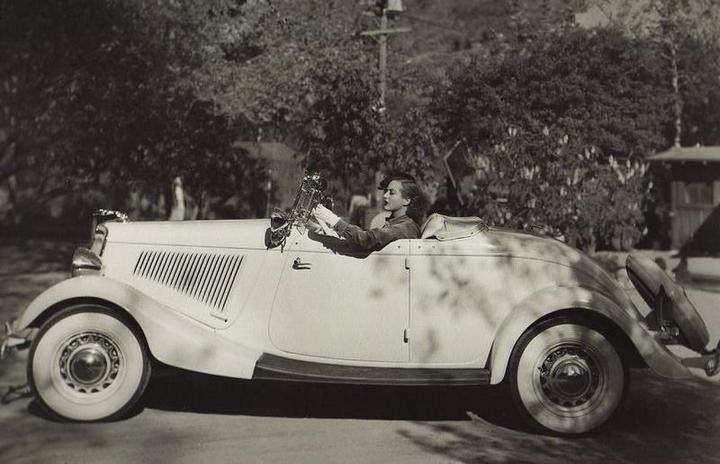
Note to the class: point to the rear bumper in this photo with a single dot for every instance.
(706, 366)
(681, 362)
(13, 339)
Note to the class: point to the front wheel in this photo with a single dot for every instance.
(566, 378)
(86, 364)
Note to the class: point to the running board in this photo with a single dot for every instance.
(270, 367)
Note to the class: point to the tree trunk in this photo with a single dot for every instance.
(203, 206)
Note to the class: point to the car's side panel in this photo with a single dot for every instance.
(556, 298)
(173, 338)
(461, 291)
(209, 284)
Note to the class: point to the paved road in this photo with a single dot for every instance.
(189, 418)
(192, 418)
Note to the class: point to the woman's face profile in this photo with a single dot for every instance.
(393, 198)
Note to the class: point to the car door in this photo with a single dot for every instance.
(339, 305)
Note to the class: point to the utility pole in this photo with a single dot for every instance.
(384, 9)
(383, 57)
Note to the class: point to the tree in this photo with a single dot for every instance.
(89, 99)
(555, 132)
(552, 183)
(248, 58)
(596, 84)
(687, 35)
(347, 137)
(699, 66)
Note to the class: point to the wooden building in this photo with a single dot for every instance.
(694, 178)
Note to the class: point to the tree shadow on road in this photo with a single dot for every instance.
(179, 390)
(661, 421)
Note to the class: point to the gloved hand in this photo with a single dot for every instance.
(323, 214)
(313, 225)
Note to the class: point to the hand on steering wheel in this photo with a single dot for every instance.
(321, 227)
(324, 215)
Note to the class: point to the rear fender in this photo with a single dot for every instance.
(172, 337)
(553, 299)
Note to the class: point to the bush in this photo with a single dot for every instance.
(555, 134)
(558, 185)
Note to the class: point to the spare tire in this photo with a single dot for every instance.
(650, 279)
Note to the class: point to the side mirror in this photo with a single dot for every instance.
(279, 229)
(274, 239)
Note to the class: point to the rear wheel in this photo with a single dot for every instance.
(87, 364)
(566, 377)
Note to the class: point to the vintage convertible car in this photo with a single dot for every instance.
(466, 304)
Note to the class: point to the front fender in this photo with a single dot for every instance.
(172, 337)
(553, 299)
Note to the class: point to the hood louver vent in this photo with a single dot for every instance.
(205, 277)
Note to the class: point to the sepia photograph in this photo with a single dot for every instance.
(363, 231)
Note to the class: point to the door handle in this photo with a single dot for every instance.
(300, 266)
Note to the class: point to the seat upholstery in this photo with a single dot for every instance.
(448, 228)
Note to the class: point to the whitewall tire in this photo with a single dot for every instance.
(566, 378)
(87, 364)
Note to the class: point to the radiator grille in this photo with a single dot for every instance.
(205, 277)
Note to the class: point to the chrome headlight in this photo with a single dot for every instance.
(98, 232)
(85, 262)
(98, 239)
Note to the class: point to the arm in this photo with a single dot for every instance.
(373, 239)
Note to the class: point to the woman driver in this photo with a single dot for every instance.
(404, 201)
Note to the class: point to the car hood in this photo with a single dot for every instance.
(241, 233)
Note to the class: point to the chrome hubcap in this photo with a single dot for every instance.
(88, 365)
(569, 376)
(89, 362)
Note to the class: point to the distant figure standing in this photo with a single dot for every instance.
(177, 209)
(358, 206)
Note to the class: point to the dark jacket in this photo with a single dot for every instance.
(375, 239)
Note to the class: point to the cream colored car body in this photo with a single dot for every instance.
(209, 296)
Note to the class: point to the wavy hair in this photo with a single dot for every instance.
(410, 191)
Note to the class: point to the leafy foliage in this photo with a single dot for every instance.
(346, 133)
(596, 85)
(122, 96)
(542, 126)
(700, 93)
(111, 115)
(558, 185)
(248, 58)
(686, 35)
